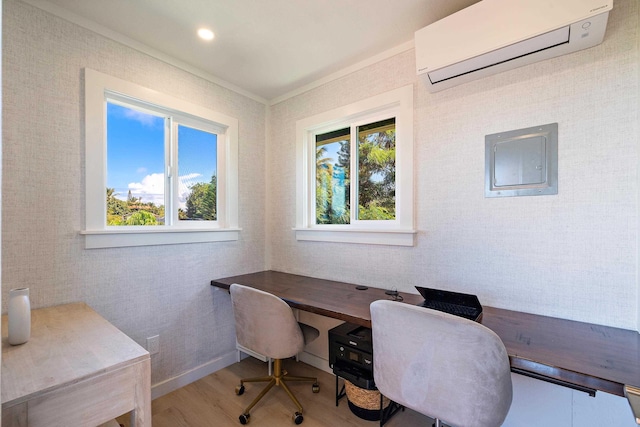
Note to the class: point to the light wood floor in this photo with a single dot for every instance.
(212, 402)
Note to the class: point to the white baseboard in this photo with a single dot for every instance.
(171, 384)
(315, 361)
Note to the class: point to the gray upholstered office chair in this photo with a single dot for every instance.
(266, 325)
(443, 366)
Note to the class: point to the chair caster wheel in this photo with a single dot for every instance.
(240, 390)
(297, 418)
(244, 419)
(315, 388)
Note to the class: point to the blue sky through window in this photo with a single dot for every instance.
(135, 155)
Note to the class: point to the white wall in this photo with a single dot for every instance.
(538, 403)
(573, 255)
(144, 291)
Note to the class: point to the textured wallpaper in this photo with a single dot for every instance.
(572, 255)
(144, 291)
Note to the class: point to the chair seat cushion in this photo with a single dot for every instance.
(308, 332)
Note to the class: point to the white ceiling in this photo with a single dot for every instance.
(267, 48)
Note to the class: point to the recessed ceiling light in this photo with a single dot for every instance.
(206, 34)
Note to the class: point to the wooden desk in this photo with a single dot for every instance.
(579, 355)
(76, 370)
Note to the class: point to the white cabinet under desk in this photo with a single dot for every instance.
(77, 369)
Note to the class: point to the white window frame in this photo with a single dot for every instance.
(397, 103)
(99, 88)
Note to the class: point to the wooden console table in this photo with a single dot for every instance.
(76, 370)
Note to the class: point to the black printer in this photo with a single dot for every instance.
(351, 354)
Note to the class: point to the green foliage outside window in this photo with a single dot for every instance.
(200, 205)
(376, 177)
(325, 169)
(142, 218)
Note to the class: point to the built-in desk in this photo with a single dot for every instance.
(76, 370)
(580, 355)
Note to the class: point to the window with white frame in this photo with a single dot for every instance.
(355, 172)
(159, 170)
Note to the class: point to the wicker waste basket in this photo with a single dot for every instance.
(364, 403)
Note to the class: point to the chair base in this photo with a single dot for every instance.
(277, 378)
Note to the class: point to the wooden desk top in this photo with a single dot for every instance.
(69, 343)
(575, 354)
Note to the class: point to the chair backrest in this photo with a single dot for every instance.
(440, 365)
(265, 323)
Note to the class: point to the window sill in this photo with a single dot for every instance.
(95, 239)
(371, 237)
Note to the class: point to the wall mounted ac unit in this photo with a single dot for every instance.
(492, 36)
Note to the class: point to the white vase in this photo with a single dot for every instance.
(19, 316)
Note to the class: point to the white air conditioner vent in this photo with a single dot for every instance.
(498, 35)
